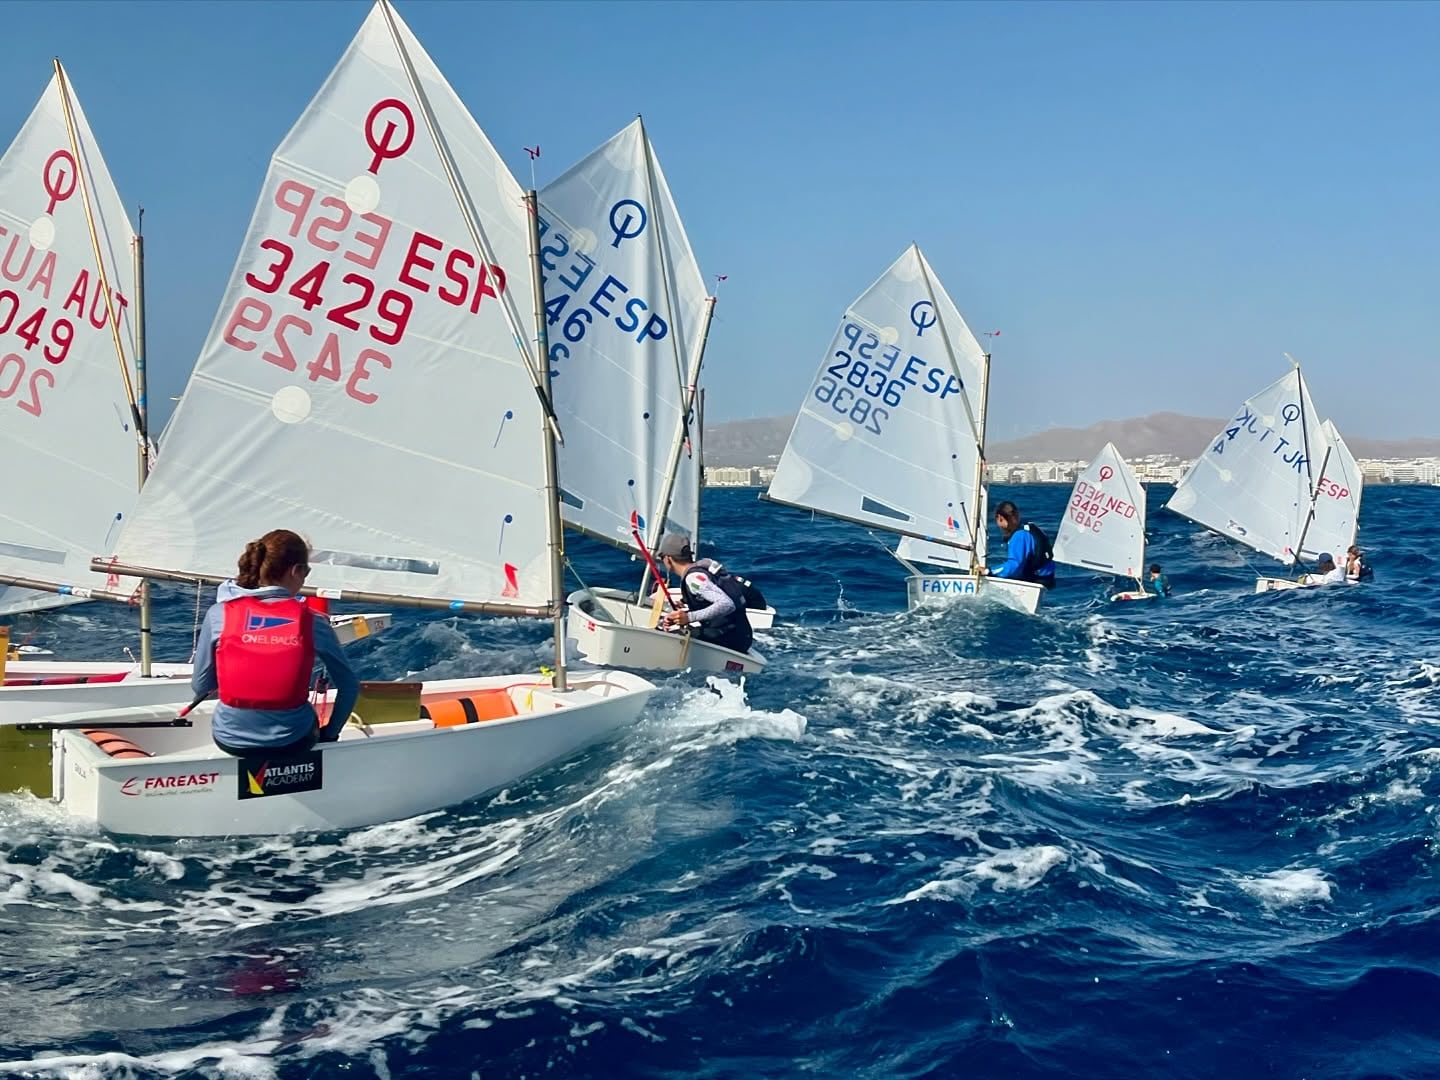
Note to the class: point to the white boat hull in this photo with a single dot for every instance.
(1274, 584)
(191, 788)
(1134, 594)
(611, 631)
(36, 688)
(940, 590)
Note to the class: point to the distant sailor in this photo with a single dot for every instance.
(1158, 581)
(1356, 566)
(714, 598)
(1028, 554)
(1326, 572)
(258, 647)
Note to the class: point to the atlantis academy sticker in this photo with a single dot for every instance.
(261, 777)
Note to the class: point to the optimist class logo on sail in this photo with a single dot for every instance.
(315, 297)
(1261, 428)
(38, 318)
(575, 306)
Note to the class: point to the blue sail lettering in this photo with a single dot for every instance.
(574, 286)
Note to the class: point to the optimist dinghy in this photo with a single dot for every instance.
(630, 315)
(1277, 480)
(467, 736)
(72, 416)
(892, 436)
(1104, 524)
(373, 323)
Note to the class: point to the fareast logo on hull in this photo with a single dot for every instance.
(261, 777)
(183, 784)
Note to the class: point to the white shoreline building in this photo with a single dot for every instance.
(1151, 469)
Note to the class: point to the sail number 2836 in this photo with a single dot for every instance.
(844, 388)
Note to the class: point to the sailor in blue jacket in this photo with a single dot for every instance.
(1028, 554)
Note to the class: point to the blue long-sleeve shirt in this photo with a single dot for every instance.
(271, 727)
(1021, 552)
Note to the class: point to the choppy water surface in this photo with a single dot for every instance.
(1188, 839)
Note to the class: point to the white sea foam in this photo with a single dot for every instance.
(1287, 888)
(1008, 870)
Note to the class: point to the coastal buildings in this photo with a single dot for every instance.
(1153, 469)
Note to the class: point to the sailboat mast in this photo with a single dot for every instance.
(554, 528)
(699, 451)
(143, 431)
(1310, 513)
(982, 509)
(1311, 483)
(682, 431)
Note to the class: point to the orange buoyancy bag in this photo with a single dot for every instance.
(266, 653)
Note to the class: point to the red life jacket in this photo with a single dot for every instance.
(266, 653)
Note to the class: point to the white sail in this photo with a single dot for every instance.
(888, 434)
(1104, 524)
(1337, 498)
(624, 304)
(1253, 482)
(367, 380)
(65, 423)
(929, 553)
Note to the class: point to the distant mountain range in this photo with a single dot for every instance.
(759, 442)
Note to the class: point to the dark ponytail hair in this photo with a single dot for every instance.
(265, 561)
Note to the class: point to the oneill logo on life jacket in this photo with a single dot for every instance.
(257, 669)
(265, 622)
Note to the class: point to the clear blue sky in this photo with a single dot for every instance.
(1151, 201)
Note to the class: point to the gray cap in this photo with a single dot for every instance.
(672, 545)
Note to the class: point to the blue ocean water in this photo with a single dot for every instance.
(1187, 839)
